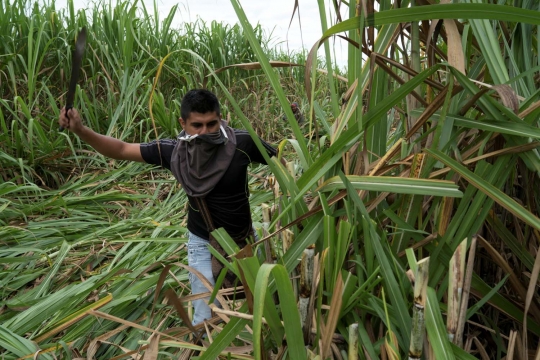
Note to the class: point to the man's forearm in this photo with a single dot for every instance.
(105, 145)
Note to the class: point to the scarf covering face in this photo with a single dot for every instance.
(200, 161)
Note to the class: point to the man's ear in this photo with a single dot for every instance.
(182, 123)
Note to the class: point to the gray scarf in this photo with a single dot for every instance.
(198, 162)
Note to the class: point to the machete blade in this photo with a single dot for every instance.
(75, 68)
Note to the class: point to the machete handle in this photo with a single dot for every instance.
(68, 107)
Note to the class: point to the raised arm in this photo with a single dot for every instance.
(105, 145)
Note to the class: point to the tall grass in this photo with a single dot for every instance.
(80, 233)
(459, 132)
(421, 157)
(125, 45)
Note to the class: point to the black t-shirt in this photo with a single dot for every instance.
(228, 202)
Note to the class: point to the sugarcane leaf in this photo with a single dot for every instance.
(440, 11)
(16, 344)
(386, 264)
(497, 126)
(291, 317)
(501, 198)
(435, 328)
(226, 336)
(394, 185)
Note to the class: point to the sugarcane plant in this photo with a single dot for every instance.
(405, 224)
(462, 133)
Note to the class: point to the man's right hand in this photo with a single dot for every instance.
(105, 145)
(71, 121)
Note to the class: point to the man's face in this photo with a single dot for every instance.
(200, 124)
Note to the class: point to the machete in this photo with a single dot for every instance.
(75, 68)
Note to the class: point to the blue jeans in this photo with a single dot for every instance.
(200, 259)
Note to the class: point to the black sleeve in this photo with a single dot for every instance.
(158, 153)
(256, 156)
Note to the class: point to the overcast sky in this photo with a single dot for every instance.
(274, 16)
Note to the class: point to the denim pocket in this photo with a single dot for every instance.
(197, 253)
(192, 256)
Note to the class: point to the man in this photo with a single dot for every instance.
(209, 159)
(297, 114)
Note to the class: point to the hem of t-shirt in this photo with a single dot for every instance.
(202, 235)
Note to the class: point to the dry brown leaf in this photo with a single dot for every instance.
(173, 299)
(465, 294)
(428, 112)
(106, 316)
(528, 300)
(456, 278)
(514, 280)
(511, 150)
(133, 354)
(508, 96)
(511, 345)
(333, 317)
(151, 352)
(94, 345)
(257, 66)
(222, 301)
(159, 286)
(391, 346)
(250, 66)
(529, 110)
(453, 38)
(243, 350)
(481, 349)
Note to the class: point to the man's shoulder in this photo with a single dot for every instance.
(241, 132)
(245, 142)
(158, 152)
(161, 142)
(244, 135)
(242, 138)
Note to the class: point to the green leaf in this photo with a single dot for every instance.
(403, 320)
(440, 11)
(435, 328)
(395, 185)
(15, 343)
(473, 309)
(291, 317)
(250, 267)
(501, 198)
(226, 336)
(496, 126)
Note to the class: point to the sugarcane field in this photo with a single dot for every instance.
(204, 189)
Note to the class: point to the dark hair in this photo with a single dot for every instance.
(199, 100)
